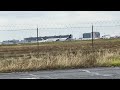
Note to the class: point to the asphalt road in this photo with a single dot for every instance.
(88, 73)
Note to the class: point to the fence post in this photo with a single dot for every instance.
(37, 34)
(37, 41)
(92, 37)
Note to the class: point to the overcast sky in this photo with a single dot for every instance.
(13, 20)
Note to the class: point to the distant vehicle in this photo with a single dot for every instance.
(106, 37)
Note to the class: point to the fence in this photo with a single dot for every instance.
(24, 40)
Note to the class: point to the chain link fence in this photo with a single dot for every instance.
(24, 40)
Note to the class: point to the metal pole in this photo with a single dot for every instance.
(37, 41)
(93, 59)
(92, 36)
(37, 34)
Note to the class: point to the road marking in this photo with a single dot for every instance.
(86, 71)
(28, 78)
(95, 73)
(40, 77)
(36, 77)
(33, 75)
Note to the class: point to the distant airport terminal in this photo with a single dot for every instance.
(86, 36)
(40, 39)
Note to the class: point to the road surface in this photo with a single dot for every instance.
(88, 73)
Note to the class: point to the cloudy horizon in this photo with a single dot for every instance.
(55, 19)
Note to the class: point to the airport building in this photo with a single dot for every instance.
(10, 42)
(96, 35)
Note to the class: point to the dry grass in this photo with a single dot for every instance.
(59, 56)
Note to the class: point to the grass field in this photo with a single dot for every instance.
(59, 55)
